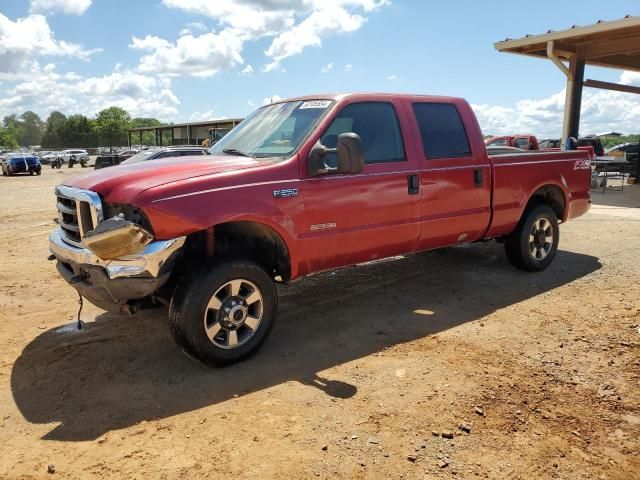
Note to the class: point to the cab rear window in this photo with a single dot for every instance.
(442, 130)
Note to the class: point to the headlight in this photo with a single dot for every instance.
(115, 238)
(127, 212)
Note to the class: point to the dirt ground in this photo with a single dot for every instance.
(366, 371)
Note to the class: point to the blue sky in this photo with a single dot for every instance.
(184, 59)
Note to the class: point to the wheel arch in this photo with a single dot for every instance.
(549, 194)
(242, 239)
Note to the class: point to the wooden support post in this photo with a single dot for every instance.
(574, 97)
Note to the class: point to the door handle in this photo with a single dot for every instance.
(478, 177)
(413, 182)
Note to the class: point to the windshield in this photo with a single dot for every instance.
(273, 131)
(138, 157)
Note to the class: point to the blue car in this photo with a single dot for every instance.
(21, 163)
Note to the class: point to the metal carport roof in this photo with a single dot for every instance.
(612, 44)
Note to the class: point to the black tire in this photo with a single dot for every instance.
(188, 313)
(537, 255)
(38, 172)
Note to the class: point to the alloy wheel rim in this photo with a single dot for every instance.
(541, 239)
(233, 314)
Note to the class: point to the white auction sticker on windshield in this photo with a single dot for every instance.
(315, 104)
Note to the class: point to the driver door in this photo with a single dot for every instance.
(352, 218)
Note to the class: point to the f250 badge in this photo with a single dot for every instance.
(285, 193)
(582, 164)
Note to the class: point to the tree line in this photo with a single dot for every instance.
(108, 128)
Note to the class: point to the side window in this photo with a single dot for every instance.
(442, 130)
(522, 143)
(164, 155)
(377, 125)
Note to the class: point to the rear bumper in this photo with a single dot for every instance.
(21, 169)
(111, 285)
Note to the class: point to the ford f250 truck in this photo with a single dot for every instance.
(301, 186)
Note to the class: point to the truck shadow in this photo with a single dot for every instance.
(120, 371)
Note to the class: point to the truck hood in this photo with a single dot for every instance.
(127, 181)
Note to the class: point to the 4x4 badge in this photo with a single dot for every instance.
(285, 193)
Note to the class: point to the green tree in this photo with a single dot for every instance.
(7, 138)
(613, 141)
(148, 138)
(112, 125)
(31, 129)
(55, 122)
(78, 132)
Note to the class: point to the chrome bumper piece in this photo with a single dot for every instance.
(155, 259)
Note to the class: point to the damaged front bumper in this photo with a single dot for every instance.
(113, 284)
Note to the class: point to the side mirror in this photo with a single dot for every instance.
(349, 154)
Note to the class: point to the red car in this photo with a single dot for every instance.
(304, 185)
(523, 142)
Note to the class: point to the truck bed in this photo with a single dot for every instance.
(515, 176)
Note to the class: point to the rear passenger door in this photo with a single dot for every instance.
(455, 181)
(351, 218)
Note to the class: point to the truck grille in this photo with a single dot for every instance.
(79, 211)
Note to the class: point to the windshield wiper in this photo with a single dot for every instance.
(233, 151)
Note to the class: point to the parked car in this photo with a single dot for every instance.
(153, 153)
(124, 154)
(73, 155)
(592, 141)
(523, 142)
(48, 157)
(631, 151)
(41, 154)
(111, 159)
(165, 152)
(301, 186)
(496, 150)
(21, 163)
(550, 143)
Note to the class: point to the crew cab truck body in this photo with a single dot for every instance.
(301, 186)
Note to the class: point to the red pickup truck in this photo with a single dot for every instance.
(523, 142)
(300, 186)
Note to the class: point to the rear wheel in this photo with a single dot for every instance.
(222, 315)
(533, 245)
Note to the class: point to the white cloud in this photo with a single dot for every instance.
(293, 25)
(251, 103)
(254, 17)
(630, 78)
(247, 71)
(74, 7)
(204, 116)
(198, 56)
(327, 68)
(272, 99)
(348, 67)
(43, 89)
(602, 111)
(391, 78)
(329, 19)
(31, 37)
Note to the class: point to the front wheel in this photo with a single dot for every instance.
(533, 245)
(223, 314)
